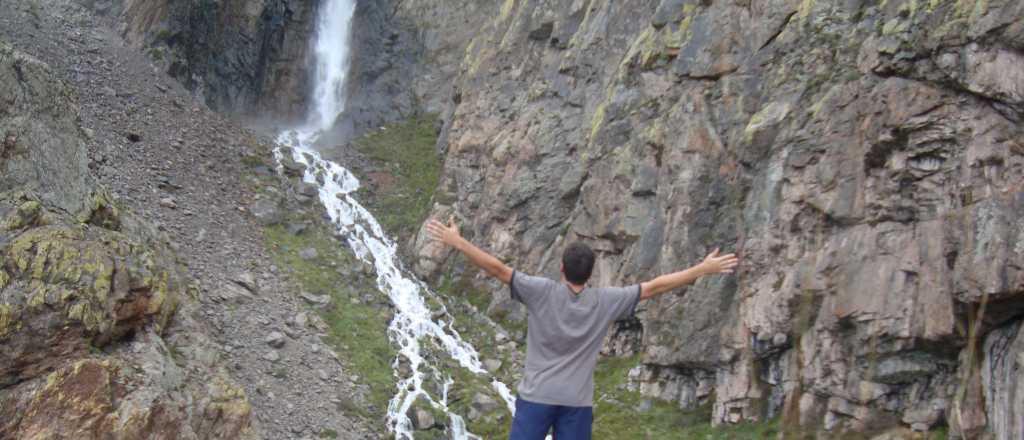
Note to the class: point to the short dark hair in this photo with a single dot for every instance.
(578, 263)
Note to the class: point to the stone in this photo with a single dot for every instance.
(168, 202)
(308, 190)
(246, 280)
(645, 405)
(318, 300)
(271, 356)
(542, 32)
(300, 320)
(902, 369)
(484, 403)
(646, 181)
(422, 419)
(275, 339)
(297, 228)
(291, 167)
(492, 365)
(266, 212)
(779, 339)
(232, 293)
(309, 254)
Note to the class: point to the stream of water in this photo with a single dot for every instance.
(412, 329)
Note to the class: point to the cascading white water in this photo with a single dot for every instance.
(412, 326)
(331, 56)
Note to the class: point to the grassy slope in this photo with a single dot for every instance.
(406, 151)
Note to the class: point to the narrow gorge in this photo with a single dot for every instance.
(212, 214)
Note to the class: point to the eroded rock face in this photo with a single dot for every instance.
(405, 56)
(247, 57)
(40, 147)
(864, 159)
(96, 338)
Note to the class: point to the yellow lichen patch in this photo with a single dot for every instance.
(83, 313)
(103, 212)
(25, 215)
(229, 399)
(506, 9)
(37, 295)
(596, 121)
(158, 295)
(7, 320)
(805, 8)
(772, 114)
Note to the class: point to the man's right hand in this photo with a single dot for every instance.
(446, 234)
(712, 264)
(450, 236)
(715, 263)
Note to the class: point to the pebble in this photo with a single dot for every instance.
(492, 365)
(168, 202)
(275, 339)
(300, 320)
(308, 254)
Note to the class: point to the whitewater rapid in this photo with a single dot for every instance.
(412, 326)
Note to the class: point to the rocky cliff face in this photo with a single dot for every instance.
(243, 57)
(405, 58)
(95, 310)
(864, 158)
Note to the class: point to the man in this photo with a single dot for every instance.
(566, 326)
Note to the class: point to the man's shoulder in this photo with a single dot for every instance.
(617, 289)
(525, 278)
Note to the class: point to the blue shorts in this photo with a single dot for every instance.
(534, 420)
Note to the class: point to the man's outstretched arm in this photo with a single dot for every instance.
(712, 264)
(450, 236)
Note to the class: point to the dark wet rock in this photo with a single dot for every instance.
(267, 212)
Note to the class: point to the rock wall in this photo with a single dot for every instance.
(405, 58)
(864, 158)
(95, 310)
(247, 57)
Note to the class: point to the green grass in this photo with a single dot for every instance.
(616, 416)
(407, 151)
(358, 331)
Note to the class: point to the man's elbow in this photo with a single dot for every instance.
(504, 274)
(500, 272)
(648, 290)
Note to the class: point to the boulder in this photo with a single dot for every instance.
(267, 212)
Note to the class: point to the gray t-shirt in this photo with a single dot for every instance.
(564, 334)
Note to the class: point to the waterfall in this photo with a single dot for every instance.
(412, 326)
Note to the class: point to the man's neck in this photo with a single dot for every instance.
(575, 288)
